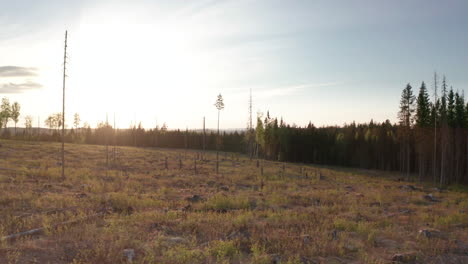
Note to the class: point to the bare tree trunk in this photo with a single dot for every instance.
(443, 146)
(63, 106)
(217, 148)
(204, 134)
(407, 161)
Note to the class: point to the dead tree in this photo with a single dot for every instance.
(63, 104)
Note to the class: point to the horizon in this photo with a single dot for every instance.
(165, 62)
(233, 131)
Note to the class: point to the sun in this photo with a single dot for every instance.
(120, 64)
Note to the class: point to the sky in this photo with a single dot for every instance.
(325, 61)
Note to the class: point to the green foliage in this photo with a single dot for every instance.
(221, 202)
(223, 250)
(406, 106)
(259, 254)
(423, 108)
(183, 255)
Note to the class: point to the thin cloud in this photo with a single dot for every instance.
(199, 7)
(16, 71)
(14, 88)
(287, 90)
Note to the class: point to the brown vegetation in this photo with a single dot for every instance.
(290, 213)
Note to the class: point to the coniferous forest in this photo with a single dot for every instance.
(429, 142)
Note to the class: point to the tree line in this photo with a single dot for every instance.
(429, 142)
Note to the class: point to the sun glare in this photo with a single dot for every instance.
(120, 62)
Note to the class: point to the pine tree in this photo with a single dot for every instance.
(405, 115)
(406, 106)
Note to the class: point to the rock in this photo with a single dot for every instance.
(241, 234)
(431, 198)
(175, 240)
(306, 239)
(406, 211)
(129, 253)
(195, 198)
(429, 232)
(350, 247)
(333, 260)
(387, 243)
(224, 188)
(359, 195)
(408, 188)
(275, 259)
(408, 257)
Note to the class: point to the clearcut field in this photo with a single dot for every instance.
(293, 213)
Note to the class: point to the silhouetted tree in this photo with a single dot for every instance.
(405, 116)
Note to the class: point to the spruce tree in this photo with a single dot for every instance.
(443, 102)
(460, 110)
(444, 137)
(423, 121)
(466, 115)
(423, 110)
(451, 108)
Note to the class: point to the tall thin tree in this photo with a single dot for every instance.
(423, 121)
(434, 172)
(204, 136)
(405, 115)
(250, 133)
(63, 104)
(219, 104)
(444, 130)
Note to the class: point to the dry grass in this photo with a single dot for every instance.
(239, 216)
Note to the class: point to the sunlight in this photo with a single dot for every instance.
(124, 61)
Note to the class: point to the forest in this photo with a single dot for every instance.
(429, 142)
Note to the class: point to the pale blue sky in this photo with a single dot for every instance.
(329, 62)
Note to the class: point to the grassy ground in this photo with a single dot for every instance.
(292, 214)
